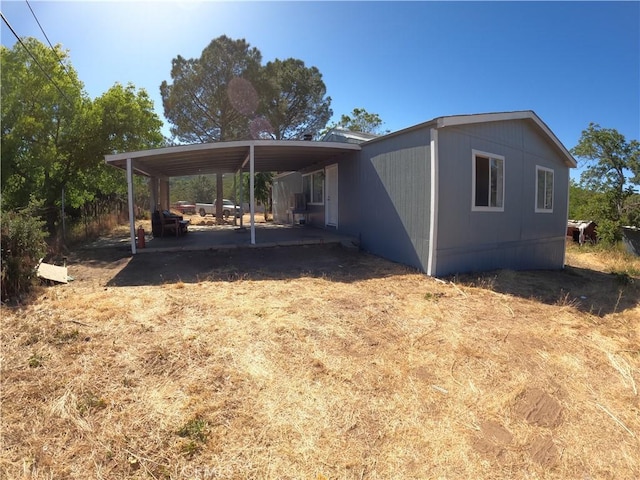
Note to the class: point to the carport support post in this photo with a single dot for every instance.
(235, 198)
(252, 194)
(132, 218)
(241, 200)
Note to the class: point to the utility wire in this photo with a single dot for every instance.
(35, 59)
(48, 41)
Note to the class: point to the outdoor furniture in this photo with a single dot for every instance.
(167, 222)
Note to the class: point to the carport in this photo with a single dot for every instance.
(219, 158)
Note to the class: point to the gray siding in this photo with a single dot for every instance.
(517, 238)
(348, 196)
(395, 174)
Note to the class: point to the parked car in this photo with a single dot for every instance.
(184, 207)
(210, 208)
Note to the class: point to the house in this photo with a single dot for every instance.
(454, 194)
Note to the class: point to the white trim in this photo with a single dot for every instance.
(433, 213)
(132, 219)
(179, 149)
(553, 188)
(326, 194)
(252, 194)
(564, 244)
(490, 156)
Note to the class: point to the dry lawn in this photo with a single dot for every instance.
(350, 367)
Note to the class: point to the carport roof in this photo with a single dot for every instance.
(229, 157)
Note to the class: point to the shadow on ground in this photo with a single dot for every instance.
(589, 291)
(274, 263)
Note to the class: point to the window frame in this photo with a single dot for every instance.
(490, 156)
(547, 170)
(312, 186)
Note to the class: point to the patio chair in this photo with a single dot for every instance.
(169, 222)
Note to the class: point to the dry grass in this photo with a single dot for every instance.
(375, 373)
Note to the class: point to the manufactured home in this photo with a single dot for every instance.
(454, 194)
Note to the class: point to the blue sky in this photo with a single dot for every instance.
(571, 62)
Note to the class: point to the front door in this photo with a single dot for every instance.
(331, 202)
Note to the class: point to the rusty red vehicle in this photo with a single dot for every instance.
(184, 207)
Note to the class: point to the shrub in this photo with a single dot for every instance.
(608, 232)
(23, 244)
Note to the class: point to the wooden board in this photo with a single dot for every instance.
(53, 272)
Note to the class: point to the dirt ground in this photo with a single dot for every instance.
(320, 362)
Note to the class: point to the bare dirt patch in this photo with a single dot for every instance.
(544, 452)
(319, 362)
(539, 408)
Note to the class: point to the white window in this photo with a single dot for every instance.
(488, 182)
(544, 190)
(313, 187)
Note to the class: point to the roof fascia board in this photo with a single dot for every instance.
(429, 124)
(504, 116)
(178, 149)
(171, 150)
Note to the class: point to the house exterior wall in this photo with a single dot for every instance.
(395, 197)
(348, 196)
(518, 237)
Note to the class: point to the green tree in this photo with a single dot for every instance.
(262, 184)
(43, 107)
(293, 99)
(361, 121)
(213, 98)
(612, 165)
(585, 204)
(54, 137)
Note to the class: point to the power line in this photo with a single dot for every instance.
(35, 59)
(48, 41)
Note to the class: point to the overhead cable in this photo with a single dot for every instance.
(48, 41)
(34, 58)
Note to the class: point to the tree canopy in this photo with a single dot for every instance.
(204, 103)
(361, 121)
(54, 136)
(227, 94)
(294, 99)
(612, 164)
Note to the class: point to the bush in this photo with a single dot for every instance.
(23, 245)
(608, 232)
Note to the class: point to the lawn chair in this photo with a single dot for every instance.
(170, 223)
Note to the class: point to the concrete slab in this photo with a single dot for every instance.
(225, 237)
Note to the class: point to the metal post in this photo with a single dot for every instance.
(132, 218)
(64, 233)
(252, 194)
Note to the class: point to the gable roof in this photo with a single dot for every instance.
(528, 115)
(291, 155)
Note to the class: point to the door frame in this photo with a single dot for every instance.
(330, 203)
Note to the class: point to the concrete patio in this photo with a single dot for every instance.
(221, 237)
